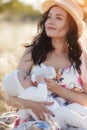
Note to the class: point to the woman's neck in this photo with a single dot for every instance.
(60, 45)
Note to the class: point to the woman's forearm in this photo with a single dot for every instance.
(18, 102)
(37, 107)
(71, 96)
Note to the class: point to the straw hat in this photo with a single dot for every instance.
(71, 6)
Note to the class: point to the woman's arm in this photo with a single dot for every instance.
(39, 109)
(26, 62)
(67, 94)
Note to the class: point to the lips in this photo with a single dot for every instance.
(51, 28)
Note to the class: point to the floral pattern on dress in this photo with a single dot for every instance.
(67, 77)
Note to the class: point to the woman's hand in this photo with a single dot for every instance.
(40, 109)
(51, 84)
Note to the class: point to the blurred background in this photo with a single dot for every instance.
(18, 25)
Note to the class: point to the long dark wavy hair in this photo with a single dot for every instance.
(41, 44)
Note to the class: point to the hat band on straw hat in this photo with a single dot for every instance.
(71, 6)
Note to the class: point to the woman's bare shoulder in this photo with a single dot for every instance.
(26, 61)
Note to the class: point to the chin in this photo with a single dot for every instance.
(51, 35)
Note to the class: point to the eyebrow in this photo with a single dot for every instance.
(57, 14)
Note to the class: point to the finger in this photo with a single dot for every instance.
(50, 113)
(47, 111)
(51, 122)
(48, 120)
(45, 116)
(38, 117)
(41, 117)
(48, 103)
(47, 79)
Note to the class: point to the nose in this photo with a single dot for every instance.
(51, 20)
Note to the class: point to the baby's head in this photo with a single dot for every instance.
(24, 79)
(11, 84)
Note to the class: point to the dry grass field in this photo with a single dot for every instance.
(12, 38)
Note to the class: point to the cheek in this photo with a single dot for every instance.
(46, 25)
(62, 29)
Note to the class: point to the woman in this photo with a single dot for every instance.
(57, 45)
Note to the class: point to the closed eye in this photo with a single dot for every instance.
(59, 18)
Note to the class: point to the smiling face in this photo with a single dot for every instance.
(57, 24)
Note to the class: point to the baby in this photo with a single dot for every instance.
(17, 83)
